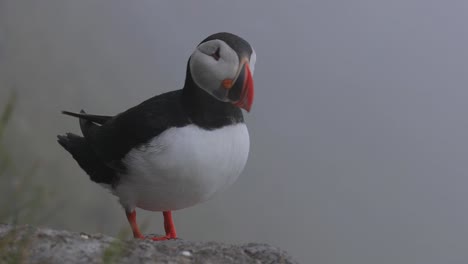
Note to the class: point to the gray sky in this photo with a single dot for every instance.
(358, 129)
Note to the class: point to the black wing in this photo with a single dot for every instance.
(86, 157)
(114, 138)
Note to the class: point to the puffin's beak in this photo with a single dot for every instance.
(241, 93)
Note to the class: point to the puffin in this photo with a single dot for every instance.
(179, 148)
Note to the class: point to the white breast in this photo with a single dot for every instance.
(182, 167)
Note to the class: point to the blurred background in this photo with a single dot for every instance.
(359, 150)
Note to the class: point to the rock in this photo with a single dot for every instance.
(26, 244)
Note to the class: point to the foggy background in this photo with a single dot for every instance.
(359, 150)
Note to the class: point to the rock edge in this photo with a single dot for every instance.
(27, 244)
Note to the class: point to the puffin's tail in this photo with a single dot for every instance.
(82, 115)
(87, 158)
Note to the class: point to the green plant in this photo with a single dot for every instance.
(22, 199)
(116, 249)
(14, 246)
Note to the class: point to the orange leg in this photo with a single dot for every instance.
(131, 217)
(169, 227)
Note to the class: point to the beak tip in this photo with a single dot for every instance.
(247, 94)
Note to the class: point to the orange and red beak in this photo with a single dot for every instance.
(241, 92)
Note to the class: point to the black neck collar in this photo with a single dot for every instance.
(206, 111)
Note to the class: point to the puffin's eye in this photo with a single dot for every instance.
(216, 54)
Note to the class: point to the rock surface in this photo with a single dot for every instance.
(26, 244)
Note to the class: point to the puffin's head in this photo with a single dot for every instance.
(223, 65)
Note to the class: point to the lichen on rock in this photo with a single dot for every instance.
(26, 244)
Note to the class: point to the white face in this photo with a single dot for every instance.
(214, 61)
(253, 59)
